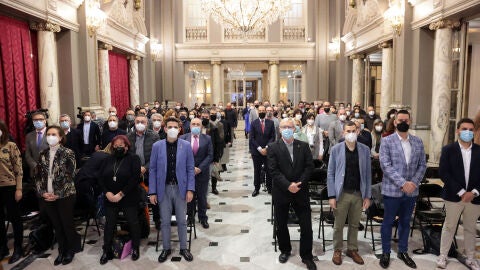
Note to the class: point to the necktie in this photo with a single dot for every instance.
(39, 139)
(195, 145)
(263, 126)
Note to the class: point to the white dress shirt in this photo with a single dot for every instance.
(467, 158)
(407, 148)
(86, 132)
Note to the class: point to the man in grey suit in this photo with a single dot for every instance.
(203, 155)
(349, 190)
(335, 129)
(36, 140)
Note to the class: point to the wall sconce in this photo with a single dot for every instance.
(334, 49)
(95, 17)
(352, 3)
(395, 16)
(137, 4)
(156, 50)
(283, 89)
(412, 2)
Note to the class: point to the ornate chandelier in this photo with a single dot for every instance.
(245, 16)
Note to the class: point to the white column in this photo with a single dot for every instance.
(303, 82)
(442, 68)
(133, 80)
(216, 82)
(104, 76)
(273, 83)
(48, 69)
(386, 96)
(265, 95)
(358, 82)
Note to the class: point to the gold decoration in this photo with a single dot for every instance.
(45, 26)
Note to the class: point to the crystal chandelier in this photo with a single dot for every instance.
(95, 17)
(245, 16)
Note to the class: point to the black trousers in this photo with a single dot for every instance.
(7, 200)
(258, 161)
(301, 206)
(111, 215)
(60, 213)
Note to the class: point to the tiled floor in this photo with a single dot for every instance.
(239, 237)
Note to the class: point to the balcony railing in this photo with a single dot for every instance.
(296, 33)
(196, 33)
(230, 34)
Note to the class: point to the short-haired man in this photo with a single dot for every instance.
(460, 174)
(36, 140)
(349, 190)
(90, 134)
(74, 138)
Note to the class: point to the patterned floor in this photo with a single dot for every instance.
(239, 237)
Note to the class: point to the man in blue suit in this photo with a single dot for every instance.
(171, 184)
(262, 132)
(203, 155)
(402, 159)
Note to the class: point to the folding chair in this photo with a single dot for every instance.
(429, 208)
(84, 211)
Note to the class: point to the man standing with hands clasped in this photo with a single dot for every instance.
(461, 192)
(402, 159)
(290, 164)
(349, 190)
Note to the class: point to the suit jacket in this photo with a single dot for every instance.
(217, 142)
(185, 169)
(94, 136)
(150, 138)
(259, 139)
(283, 171)
(74, 142)
(394, 166)
(337, 166)
(335, 132)
(32, 152)
(452, 172)
(204, 157)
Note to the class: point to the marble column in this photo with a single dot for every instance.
(358, 82)
(442, 69)
(273, 82)
(386, 97)
(216, 82)
(265, 90)
(303, 88)
(134, 80)
(104, 75)
(48, 68)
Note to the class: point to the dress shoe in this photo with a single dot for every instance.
(106, 256)
(186, 255)
(205, 224)
(17, 254)
(59, 259)
(68, 258)
(406, 259)
(164, 255)
(355, 256)
(255, 193)
(283, 258)
(310, 264)
(208, 205)
(215, 191)
(337, 257)
(135, 254)
(385, 260)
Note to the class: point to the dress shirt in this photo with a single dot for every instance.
(310, 132)
(192, 140)
(139, 139)
(467, 157)
(407, 148)
(171, 163)
(352, 170)
(290, 148)
(86, 132)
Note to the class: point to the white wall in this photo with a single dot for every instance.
(474, 94)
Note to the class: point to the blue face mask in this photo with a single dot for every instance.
(297, 129)
(466, 135)
(65, 124)
(362, 126)
(38, 124)
(196, 130)
(287, 134)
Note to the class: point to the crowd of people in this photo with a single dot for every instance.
(173, 154)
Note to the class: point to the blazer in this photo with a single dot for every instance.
(32, 152)
(204, 157)
(74, 142)
(335, 132)
(150, 138)
(259, 139)
(283, 171)
(394, 166)
(185, 169)
(93, 136)
(217, 142)
(108, 135)
(452, 172)
(63, 171)
(337, 166)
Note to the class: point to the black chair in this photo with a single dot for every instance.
(84, 212)
(326, 217)
(190, 227)
(429, 208)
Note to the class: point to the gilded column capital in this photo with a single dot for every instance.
(444, 24)
(357, 56)
(274, 62)
(133, 57)
(385, 45)
(105, 46)
(216, 62)
(45, 26)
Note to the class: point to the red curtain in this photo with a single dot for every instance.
(19, 90)
(119, 83)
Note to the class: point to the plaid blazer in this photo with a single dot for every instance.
(395, 169)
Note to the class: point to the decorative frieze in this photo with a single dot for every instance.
(45, 26)
(105, 46)
(444, 24)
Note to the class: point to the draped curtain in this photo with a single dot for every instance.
(19, 87)
(119, 83)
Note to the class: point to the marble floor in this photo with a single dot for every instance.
(239, 237)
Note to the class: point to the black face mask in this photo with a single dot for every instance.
(403, 126)
(256, 106)
(182, 118)
(261, 115)
(327, 110)
(213, 117)
(119, 152)
(205, 121)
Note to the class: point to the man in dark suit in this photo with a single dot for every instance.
(290, 163)
(74, 138)
(460, 174)
(203, 155)
(36, 140)
(262, 132)
(91, 136)
(209, 128)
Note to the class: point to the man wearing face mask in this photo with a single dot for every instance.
(129, 121)
(270, 116)
(172, 184)
(254, 112)
(349, 190)
(185, 121)
(232, 118)
(215, 118)
(370, 118)
(90, 134)
(35, 141)
(262, 132)
(402, 159)
(335, 130)
(74, 138)
(461, 177)
(111, 131)
(323, 120)
(290, 164)
(157, 127)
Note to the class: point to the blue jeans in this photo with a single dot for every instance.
(171, 199)
(403, 208)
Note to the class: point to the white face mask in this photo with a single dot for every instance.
(371, 113)
(191, 116)
(112, 124)
(140, 127)
(172, 133)
(351, 137)
(378, 128)
(310, 121)
(342, 117)
(392, 115)
(113, 113)
(52, 140)
(298, 117)
(87, 118)
(157, 124)
(284, 115)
